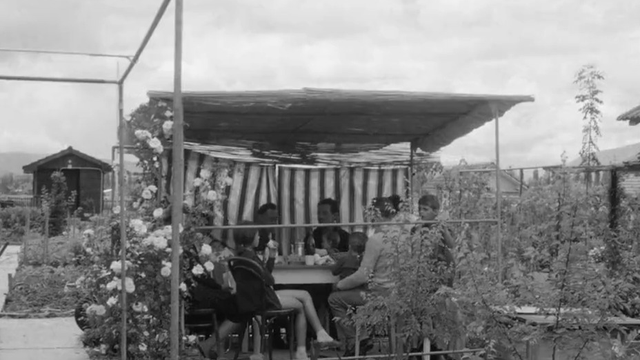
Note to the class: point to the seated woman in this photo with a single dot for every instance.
(374, 271)
(299, 300)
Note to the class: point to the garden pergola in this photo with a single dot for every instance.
(364, 120)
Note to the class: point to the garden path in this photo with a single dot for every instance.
(31, 339)
(8, 265)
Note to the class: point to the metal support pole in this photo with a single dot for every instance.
(178, 184)
(113, 174)
(411, 176)
(123, 228)
(54, 79)
(75, 53)
(498, 195)
(145, 41)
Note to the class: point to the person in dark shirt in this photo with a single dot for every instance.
(267, 214)
(350, 262)
(329, 212)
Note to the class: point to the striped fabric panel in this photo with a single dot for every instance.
(252, 186)
(302, 187)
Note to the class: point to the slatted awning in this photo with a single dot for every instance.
(308, 125)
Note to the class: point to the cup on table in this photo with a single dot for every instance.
(309, 260)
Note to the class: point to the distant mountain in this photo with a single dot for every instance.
(12, 162)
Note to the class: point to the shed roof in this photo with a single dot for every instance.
(329, 121)
(99, 164)
(632, 116)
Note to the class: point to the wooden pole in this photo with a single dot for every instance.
(411, 176)
(123, 227)
(521, 181)
(178, 183)
(45, 252)
(25, 238)
(498, 195)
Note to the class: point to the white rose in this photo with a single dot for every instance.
(129, 285)
(191, 339)
(165, 271)
(206, 250)
(160, 243)
(88, 233)
(209, 266)
(168, 113)
(154, 143)
(142, 134)
(205, 173)
(167, 127)
(112, 285)
(100, 310)
(212, 195)
(197, 182)
(152, 188)
(197, 270)
(183, 287)
(142, 347)
(116, 210)
(146, 194)
(228, 181)
(112, 301)
(166, 264)
(116, 267)
(136, 204)
(157, 213)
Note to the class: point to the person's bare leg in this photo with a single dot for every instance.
(310, 312)
(289, 302)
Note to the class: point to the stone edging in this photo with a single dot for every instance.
(36, 315)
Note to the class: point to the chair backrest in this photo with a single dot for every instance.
(250, 285)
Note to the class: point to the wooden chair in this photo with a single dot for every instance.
(202, 322)
(249, 276)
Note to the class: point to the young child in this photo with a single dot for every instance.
(330, 242)
(350, 262)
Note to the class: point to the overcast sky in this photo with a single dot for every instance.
(479, 46)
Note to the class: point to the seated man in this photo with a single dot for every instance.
(329, 212)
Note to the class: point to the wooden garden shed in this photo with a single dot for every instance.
(84, 174)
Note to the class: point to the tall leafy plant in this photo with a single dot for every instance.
(588, 79)
(57, 202)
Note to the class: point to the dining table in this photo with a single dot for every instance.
(301, 274)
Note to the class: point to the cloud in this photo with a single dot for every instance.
(488, 46)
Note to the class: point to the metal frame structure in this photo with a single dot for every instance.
(120, 84)
(178, 161)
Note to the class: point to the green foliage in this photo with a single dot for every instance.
(148, 271)
(559, 257)
(57, 201)
(13, 221)
(587, 79)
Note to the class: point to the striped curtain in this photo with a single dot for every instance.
(252, 186)
(301, 188)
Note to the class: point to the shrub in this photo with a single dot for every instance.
(14, 220)
(57, 202)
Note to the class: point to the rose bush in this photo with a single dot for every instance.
(148, 253)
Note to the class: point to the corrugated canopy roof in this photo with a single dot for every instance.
(633, 116)
(327, 121)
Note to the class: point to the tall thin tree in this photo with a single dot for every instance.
(588, 79)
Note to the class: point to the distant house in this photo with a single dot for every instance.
(625, 160)
(510, 184)
(84, 174)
